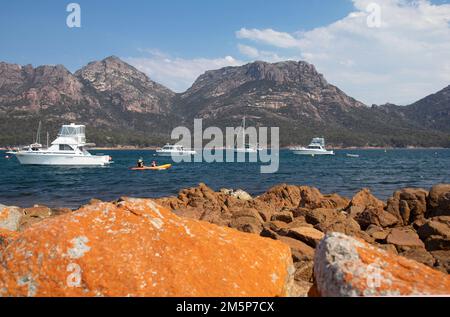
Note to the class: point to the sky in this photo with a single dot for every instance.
(377, 51)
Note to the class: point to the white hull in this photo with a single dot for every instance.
(164, 153)
(26, 158)
(245, 150)
(312, 152)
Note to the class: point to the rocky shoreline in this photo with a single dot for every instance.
(290, 241)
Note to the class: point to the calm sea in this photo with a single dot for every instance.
(382, 172)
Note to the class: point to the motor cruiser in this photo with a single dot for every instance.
(69, 148)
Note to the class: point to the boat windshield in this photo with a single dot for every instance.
(315, 147)
(83, 150)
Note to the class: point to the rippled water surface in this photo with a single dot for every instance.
(72, 186)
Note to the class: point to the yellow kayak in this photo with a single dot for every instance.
(150, 168)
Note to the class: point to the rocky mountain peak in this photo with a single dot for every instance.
(285, 72)
(289, 88)
(125, 86)
(432, 111)
(36, 88)
(102, 75)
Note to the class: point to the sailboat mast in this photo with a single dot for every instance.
(243, 132)
(38, 134)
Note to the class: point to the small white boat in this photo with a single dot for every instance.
(352, 155)
(69, 148)
(316, 147)
(245, 147)
(174, 150)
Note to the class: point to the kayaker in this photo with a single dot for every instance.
(154, 164)
(140, 162)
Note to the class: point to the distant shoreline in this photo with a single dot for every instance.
(282, 148)
(135, 148)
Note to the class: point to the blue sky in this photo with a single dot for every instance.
(184, 28)
(174, 41)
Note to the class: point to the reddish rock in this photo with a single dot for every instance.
(246, 224)
(292, 197)
(191, 213)
(281, 196)
(345, 266)
(263, 209)
(299, 222)
(304, 273)
(404, 238)
(442, 258)
(436, 233)
(435, 226)
(408, 205)
(300, 251)
(284, 216)
(373, 228)
(334, 201)
(278, 227)
(362, 201)
(312, 198)
(388, 248)
(136, 248)
(308, 235)
(378, 233)
(439, 201)
(344, 224)
(202, 203)
(38, 211)
(375, 216)
(246, 220)
(420, 255)
(60, 211)
(33, 215)
(268, 233)
(303, 256)
(323, 216)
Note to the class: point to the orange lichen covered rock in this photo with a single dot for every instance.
(345, 266)
(6, 237)
(137, 248)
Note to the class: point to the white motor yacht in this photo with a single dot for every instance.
(69, 148)
(316, 147)
(174, 150)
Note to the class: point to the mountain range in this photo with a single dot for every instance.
(122, 106)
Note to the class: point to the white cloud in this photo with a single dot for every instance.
(268, 36)
(268, 56)
(249, 51)
(405, 59)
(177, 73)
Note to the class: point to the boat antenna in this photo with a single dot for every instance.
(47, 139)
